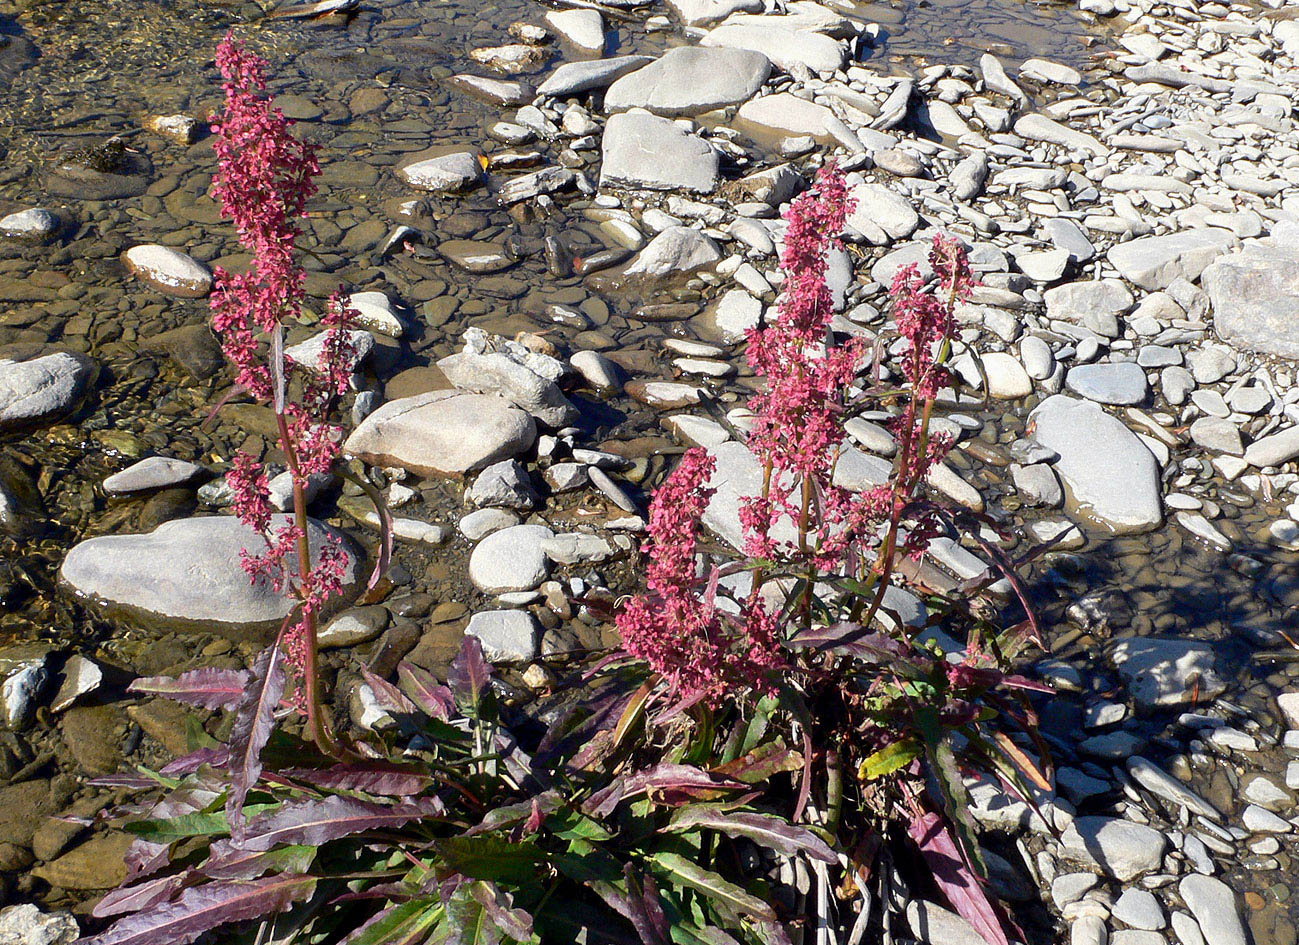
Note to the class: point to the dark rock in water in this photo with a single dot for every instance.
(192, 347)
(101, 172)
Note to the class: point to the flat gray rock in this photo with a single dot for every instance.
(1162, 671)
(522, 377)
(641, 150)
(41, 389)
(1255, 296)
(786, 47)
(786, 115)
(1110, 474)
(1213, 904)
(1121, 383)
(1119, 848)
(443, 432)
(188, 573)
(689, 80)
(706, 12)
(1155, 262)
(677, 249)
(1274, 449)
(1083, 302)
(574, 77)
(447, 173)
(155, 472)
(512, 559)
(881, 215)
(507, 636)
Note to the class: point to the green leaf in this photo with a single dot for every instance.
(196, 737)
(190, 825)
(890, 758)
(408, 921)
(573, 825)
(492, 858)
(678, 869)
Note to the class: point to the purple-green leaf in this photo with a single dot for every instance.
(386, 695)
(227, 861)
(202, 908)
(671, 783)
(955, 878)
(208, 688)
(425, 691)
(469, 673)
(141, 896)
(369, 777)
(315, 822)
(253, 725)
(763, 829)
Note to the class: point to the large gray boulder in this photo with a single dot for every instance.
(704, 12)
(1116, 847)
(41, 389)
(1108, 472)
(1164, 672)
(678, 249)
(1156, 262)
(443, 433)
(642, 150)
(689, 80)
(1255, 294)
(788, 48)
(188, 573)
(489, 365)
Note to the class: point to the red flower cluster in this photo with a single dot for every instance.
(677, 628)
(264, 179)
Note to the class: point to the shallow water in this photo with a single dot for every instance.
(369, 90)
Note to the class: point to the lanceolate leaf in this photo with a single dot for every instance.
(667, 782)
(407, 922)
(764, 829)
(226, 861)
(168, 829)
(208, 688)
(425, 691)
(201, 908)
(687, 872)
(890, 758)
(387, 695)
(762, 763)
(252, 728)
(144, 895)
(477, 915)
(955, 878)
(499, 906)
(315, 822)
(469, 673)
(370, 777)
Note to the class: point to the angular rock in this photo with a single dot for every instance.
(1274, 449)
(1162, 672)
(1119, 848)
(25, 924)
(678, 249)
(443, 432)
(574, 77)
(1213, 904)
(689, 80)
(375, 312)
(787, 48)
(641, 150)
(706, 12)
(447, 173)
(1155, 262)
(42, 389)
(169, 271)
(788, 115)
(187, 572)
(1255, 296)
(1108, 471)
(505, 484)
(524, 378)
(1080, 302)
(582, 28)
(507, 636)
(881, 215)
(548, 180)
(496, 91)
(1037, 127)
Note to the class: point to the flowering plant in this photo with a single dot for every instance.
(801, 639)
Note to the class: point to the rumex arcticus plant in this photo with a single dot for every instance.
(811, 636)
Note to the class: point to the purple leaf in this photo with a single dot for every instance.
(499, 907)
(469, 674)
(386, 695)
(955, 878)
(227, 861)
(764, 829)
(201, 908)
(316, 822)
(144, 857)
(675, 784)
(425, 691)
(252, 729)
(208, 688)
(132, 782)
(854, 640)
(188, 764)
(136, 898)
(370, 777)
(646, 910)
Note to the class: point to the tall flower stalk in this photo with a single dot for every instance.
(264, 179)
